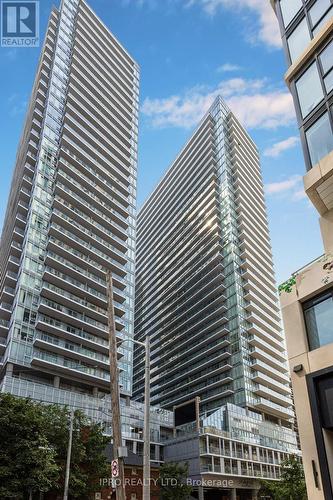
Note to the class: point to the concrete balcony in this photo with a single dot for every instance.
(66, 315)
(67, 349)
(16, 249)
(178, 381)
(4, 327)
(273, 408)
(77, 243)
(261, 378)
(89, 223)
(263, 369)
(82, 278)
(80, 173)
(256, 341)
(97, 197)
(318, 184)
(70, 368)
(65, 331)
(260, 283)
(5, 310)
(3, 344)
(10, 279)
(18, 234)
(266, 332)
(259, 306)
(13, 263)
(76, 258)
(98, 173)
(270, 360)
(7, 294)
(271, 395)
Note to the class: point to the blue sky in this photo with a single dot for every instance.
(189, 51)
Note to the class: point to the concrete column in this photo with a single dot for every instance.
(56, 382)
(9, 369)
(233, 494)
(254, 494)
(201, 493)
(95, 392)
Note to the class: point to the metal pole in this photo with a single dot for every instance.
(69, 455)
(114, 389)
(146, 432)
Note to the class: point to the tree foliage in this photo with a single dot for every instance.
(292, 484)
(33, 450)
(173, 482)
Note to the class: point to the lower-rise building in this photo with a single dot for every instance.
(230, 451)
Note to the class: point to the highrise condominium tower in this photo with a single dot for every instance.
(205, 288)
(71, 214)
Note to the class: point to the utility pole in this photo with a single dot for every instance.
(146, 430)
(114, 389)
(69, 454)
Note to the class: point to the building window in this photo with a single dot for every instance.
(326, 59)
(298, 40)
(318, 11)
(320, 139)
(318, 314)
(309, 90)
(289, 9)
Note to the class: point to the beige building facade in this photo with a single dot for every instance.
(307, 298)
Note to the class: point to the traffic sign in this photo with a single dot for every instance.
(115, 468)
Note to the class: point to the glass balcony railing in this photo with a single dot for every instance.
(71, 330)
(56, 341)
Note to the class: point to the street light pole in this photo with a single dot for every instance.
(146, 431)
(69, 455)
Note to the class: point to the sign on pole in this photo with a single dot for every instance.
(115, 468)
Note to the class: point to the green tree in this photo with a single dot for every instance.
(292, 483)
(27, 462)
(88, 461)
(173, 482)
(33, 450)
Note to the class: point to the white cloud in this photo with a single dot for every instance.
(228, 68)
(268, 26)
(299, 195)
(267, 32)
(285, 186)
(252, 103)
(279, 147)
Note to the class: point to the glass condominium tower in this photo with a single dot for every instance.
(205, 287)
(71, 211)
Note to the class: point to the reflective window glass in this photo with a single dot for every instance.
(309, 90)
(289, 9)
(323, 21)
(320, 139)
(318, 10)
(326, 57)
(318, 314)
(329, 81)
(298, 40)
